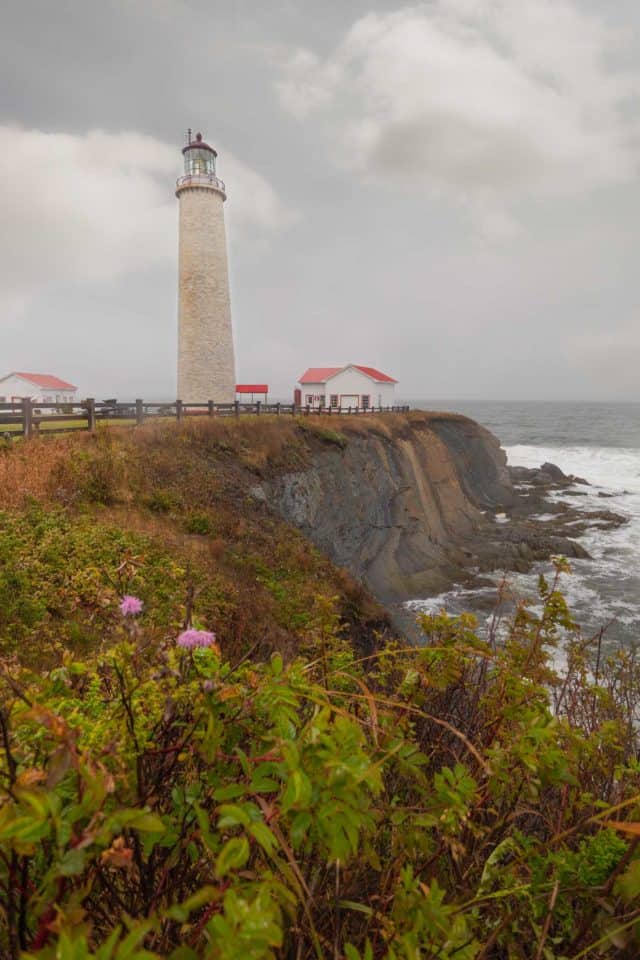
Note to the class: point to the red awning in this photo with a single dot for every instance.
(252, 388)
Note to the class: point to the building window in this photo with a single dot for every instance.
(320, 400)
(309, 399)
(366, 400)
(3, 399)
(333, 400)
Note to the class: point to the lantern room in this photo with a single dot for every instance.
(199, 157)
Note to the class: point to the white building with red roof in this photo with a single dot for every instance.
(41, 387)
(352, 385)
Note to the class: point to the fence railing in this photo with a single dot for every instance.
(26, 418)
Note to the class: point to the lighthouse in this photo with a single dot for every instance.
(206, 365)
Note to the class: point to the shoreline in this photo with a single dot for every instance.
(537, 526)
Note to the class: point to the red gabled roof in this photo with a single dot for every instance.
(46, 380)
(319, 374)
(375, 374)
(322, 374)
(252, 388)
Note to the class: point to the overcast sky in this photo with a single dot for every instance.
(448, 190)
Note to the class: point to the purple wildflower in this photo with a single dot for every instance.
(190, 639)
(130, 606)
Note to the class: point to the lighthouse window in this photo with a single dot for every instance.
(200, 163)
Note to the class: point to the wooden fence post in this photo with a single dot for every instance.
(91, 414)
(258, 405)
(210, 408)
(307, 410)
(278, 409)
(139, 413)
(179, 410)
(27, 417)
(236, 407)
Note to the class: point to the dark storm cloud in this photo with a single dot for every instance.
(404, 189)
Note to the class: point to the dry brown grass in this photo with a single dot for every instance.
(27, 468)
(78, 465)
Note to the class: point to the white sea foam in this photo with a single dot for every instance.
(607, 587)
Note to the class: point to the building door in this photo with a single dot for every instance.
(349, 400)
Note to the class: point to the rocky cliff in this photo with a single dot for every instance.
(412, 503)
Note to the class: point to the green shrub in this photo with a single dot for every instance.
(199, 523)
(324, 434)
(162, 501)
(94, 473)
(460, 800)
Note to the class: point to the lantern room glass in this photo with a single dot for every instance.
(199, 162)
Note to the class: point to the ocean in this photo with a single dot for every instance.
(597, 441)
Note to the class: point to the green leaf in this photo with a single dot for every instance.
(298, 791)
(181, 911)
(230, 792)
(628, 885)
(128, 948)
(147, 823)
(233, 855)
(72, 863)
(264, 785)
(301, 823)
(360, 907)
(261, 832)
(232, 816)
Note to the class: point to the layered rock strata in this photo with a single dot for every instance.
(415, 503)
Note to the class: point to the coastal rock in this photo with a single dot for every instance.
(547, 475)
(410, 506)
(553, 471)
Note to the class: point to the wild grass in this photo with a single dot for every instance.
(178, 497)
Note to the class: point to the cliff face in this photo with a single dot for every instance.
(402, 503)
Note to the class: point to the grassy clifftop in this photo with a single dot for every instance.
(173, 514)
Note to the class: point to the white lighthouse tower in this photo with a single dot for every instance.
(206, 365)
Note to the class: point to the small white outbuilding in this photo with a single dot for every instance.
(352, 385)
(41, 387)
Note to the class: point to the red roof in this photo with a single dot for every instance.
(319, 374)
(45, 380)
(322, 374)
(252, 388)
(375, 374)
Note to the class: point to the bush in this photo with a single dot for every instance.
(460, 800)
(162, 501)
(199, 523)
(324, 433)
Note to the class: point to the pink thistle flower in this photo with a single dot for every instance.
(190, 639)
(130, 606)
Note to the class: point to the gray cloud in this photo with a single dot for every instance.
(486, 99)
(446, 190)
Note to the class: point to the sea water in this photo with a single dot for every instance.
(601, 443)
